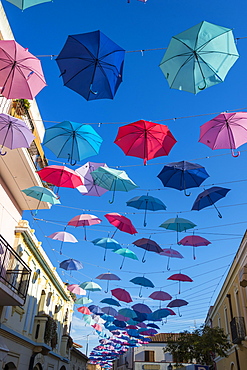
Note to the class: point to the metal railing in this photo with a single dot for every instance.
(14, 273)
(237, 329)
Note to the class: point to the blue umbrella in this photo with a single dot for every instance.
(92, 65)
(107, 243)
(182, 175)
(119, 324)
(160, 314)
(142, 281)
(140, 317)
(71, 264)
(107, 318)
(111, 301)
(146, 202)
(96, 310)
(109, 311)
(73, 141)
(209, 197)
(153, 326)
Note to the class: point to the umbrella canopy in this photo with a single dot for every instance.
(226, 131)
(87, 319)
(119, 324)
(111, 302)
(170, 253)
(126, 253)
(142, 308)
(60, 176)
(83, 300)
(160, 296)
(91, 286)
(154, 326)
(24, 4)
(74, 288)
(63, 236)
(84, 220)
(108, 276)
(194, 241)
(73, 141)
(21, 75)
(160, 314)
(177, 303)
(95, 309)
(110, 311)
(71, 264)
(182, 175)
(84, 310)
(147, 245)
(127, 312)
(199, 57)
(42, 194)
(179, 278)
(106, 243)
(121, 223)
(114, 180)
(143, 282)
(146, 202)
(208, 197)
(144, 139)
(178, 224)
(89, 187)
(14, 133)
(92, 65)
(121, 295)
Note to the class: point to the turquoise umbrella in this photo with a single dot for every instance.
(111, 301)
(83, 300)
(199, 57)
(106, 243)
(42, 194)
(125, 252)
(114, 180)
(24, 4)
(91, 286)
(178, 224)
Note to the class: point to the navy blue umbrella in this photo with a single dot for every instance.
(71, 264)
(119, 324)
(182, 175)
(209, 197)
(92, 65)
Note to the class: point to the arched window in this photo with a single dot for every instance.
(38, 367)
(10, 366)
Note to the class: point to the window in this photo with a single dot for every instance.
(226, 321)
(149, 356)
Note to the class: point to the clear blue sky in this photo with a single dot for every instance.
(144, 94)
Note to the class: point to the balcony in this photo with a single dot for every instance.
(14, 276)
(237, 330)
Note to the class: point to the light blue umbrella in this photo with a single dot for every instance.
(42, 194)
(73, 141)
(114, 180)
(83, 300)
(125, 252)
(106, 243)
(24, 4)
(199, 57)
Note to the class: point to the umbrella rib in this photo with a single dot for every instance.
(207, 42)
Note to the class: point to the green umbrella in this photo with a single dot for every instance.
(83, 300)
(199, 57)
(125, 252)
(91, 286)
(178, 224)
(114, 180)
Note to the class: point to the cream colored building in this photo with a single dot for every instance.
(230, 311)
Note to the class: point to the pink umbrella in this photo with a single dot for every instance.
(160, 296)
(170, 253)
(89, 187)
(179, 278)
(226, 131)
(121, 295)
(21, 75)
(121, 222)
(74, 288)
(84, 310)
(84, 220)
(63, 236)
(60, 176)
(194, 241)
(97, 327)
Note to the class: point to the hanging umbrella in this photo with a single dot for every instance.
(109, 311)
(226, 131)
(91, 286)
(89, 187)
(106, 243)
(147, 245)
(144, 139)
(88, 319)
(42, 194)
(73, 141)
(182, 175)
(83, 300)
(114, 180)
(160, 296)
(24, 4)
(21, 75)
(177, 303)
(199, 57)
(98, 319)
(63, 236)
(97, 327)
(119, 324)
(150, 332)
(142, 308)
(96, 310)
(154, 326)
(127, 313)
(111, 301)
(74, 288)
(108, 276)
(209, 197)
(121, 295)
(14, 133)
(121, 223)
(71, 264)
(170, 253)
(143, 282)
(122, 317)
(146, 202)
(60, 176)
(126, 253)
(84, 310)
(179, 278)
(178, 224)
(84, 220)
(92, 65)
(194, 241)
(159, 314)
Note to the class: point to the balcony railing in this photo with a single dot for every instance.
(14, 273)
(237, 329)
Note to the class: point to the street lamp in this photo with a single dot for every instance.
(169, 367)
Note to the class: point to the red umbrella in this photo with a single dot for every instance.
(194, 241)
(121, 295)
(84, 310)
(180, 277)
(84, 220)
(97, 327)
(60, 176)
(121, 222)
(145, 139)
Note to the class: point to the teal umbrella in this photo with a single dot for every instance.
(199, 57)
(106, 243)
(111, 301)
(42, 194)
(91, 286)
(114, 180)
(83, 300)
(142, 281)
(24, 4)
(125, 252)
(178, 224)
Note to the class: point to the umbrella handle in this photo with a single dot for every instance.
(187, 195)
(105, 254)
(2, 154)
(168, 264)
(85, 234)
(235, 155)
(91, 91)
(61, 248)
(122, 263)
(107, 287)
(143, 259)
(179, 314)
(140, 293)
(194, 253)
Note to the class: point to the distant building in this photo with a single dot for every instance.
(78, 361)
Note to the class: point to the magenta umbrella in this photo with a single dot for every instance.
(194, 241)
(63, 236)
(121, 295)
(21, 75)
(84, 220)
(160, 296)
(180, 277)
(89, 187)
(170, 253)
(226, 131)
(108, 276)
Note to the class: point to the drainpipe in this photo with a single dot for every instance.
(231, 314)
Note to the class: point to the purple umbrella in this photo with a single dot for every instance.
(108, 276)
(63, 236)
(121, 317)
(109, 311)
(148, 245)
(89, 187)
(169, 252)
(142, 308)
(14, 133)
(149, 332)
(178, 303)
